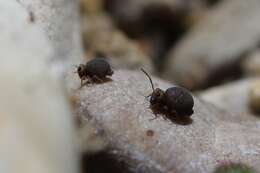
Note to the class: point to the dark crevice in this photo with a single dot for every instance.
(213, 2)
(102, 162)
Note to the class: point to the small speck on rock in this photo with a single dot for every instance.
(150, 133)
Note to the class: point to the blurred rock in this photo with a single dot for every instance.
(213, 50)
(37, 133)
(233, 98)
(251, 64)
(91, 7)
(120, 110)
(100, 35)
(255, 96)
(157, 23)
(213, 2)
(133, 10)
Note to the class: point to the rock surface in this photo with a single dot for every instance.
(216, 45)
(119, 109)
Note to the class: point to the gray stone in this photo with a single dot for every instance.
(120, 110)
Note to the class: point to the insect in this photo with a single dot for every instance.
(94, 70)
(175, 100)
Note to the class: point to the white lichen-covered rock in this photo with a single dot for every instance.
(36, 127)
(60, 21)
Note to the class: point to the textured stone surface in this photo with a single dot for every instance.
(120, 110)
(215, 46)
(36, 126)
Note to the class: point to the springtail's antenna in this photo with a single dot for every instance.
(148, 77)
